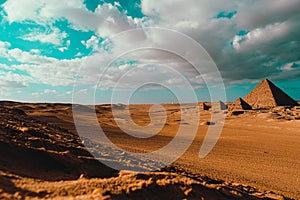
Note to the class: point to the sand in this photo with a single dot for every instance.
(41, 156)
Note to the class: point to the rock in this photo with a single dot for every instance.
(237, 112)
(81, 176)
(207, 123)
(23, 129)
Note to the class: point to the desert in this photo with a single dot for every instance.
(43, 157)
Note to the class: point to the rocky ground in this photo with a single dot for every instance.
(288, 113)
(280, 113)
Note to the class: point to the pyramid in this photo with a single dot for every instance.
(204, 106)
(219, 105)
(267, 95)
(240, 104)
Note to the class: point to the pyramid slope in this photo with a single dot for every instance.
(223, 106)
(240, 104)
(267, 95)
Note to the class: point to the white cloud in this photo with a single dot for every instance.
(48, 91)
(290, 66)
(10, 80)
(3, 66)
(117, 4)
(188, 14)
(287, 67)
(93, 42)
(36, 94)
(54, 36)
(78, 54)
(41, 11)
(57, 73)
(45, 92)
(27, 57)
(66, 47)
(35, 51)
(4, 46)
(43, 69)
(106, 20)
(62, 49)
(260, 36)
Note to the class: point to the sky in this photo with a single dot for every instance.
(53, 51)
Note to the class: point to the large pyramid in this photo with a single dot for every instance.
(240, 104)
(267, 95)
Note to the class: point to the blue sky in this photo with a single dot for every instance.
(46, 45)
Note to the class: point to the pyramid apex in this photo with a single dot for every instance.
(239, 100)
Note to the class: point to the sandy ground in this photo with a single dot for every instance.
(256, 157)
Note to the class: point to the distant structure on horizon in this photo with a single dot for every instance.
(268, 95)
(204, 106)
(220, 105)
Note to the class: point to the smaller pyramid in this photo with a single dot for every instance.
(240, 104)
(268, 95)
(204, 106)
(219, 106)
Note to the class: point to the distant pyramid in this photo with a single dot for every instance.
(267, 95)
(204, 106)
(219, 106)
(240, 104)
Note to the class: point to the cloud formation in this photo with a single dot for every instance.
(105, 20)
(249, 40)
(271, 40)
